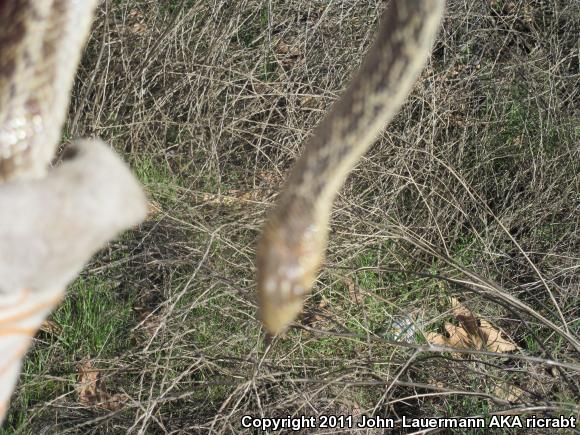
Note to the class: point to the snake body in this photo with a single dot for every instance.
(294, 238)
(40, 47)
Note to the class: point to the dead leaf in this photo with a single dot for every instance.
(437, 339)
(91, 390)
(321, 308)
(510, 393)
(316, 316)
(139, 28)
(471, 333)
(136, 13)
(50, 327)
(494, 340)
(284, 48)
(460, 338)
(465, 316)
(353, 293)
(290, 54)
(137, 19)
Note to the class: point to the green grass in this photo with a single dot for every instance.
(94, 324)
(94, 319)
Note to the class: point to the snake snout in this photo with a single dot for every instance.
(287, 265)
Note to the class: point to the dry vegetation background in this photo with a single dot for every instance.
(459, 226)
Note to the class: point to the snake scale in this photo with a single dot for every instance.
(53, 219)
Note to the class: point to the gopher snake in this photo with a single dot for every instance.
(51, 221)
(294, 238)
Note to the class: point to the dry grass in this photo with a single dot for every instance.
(472, 192)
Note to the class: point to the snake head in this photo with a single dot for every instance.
(288, 258)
